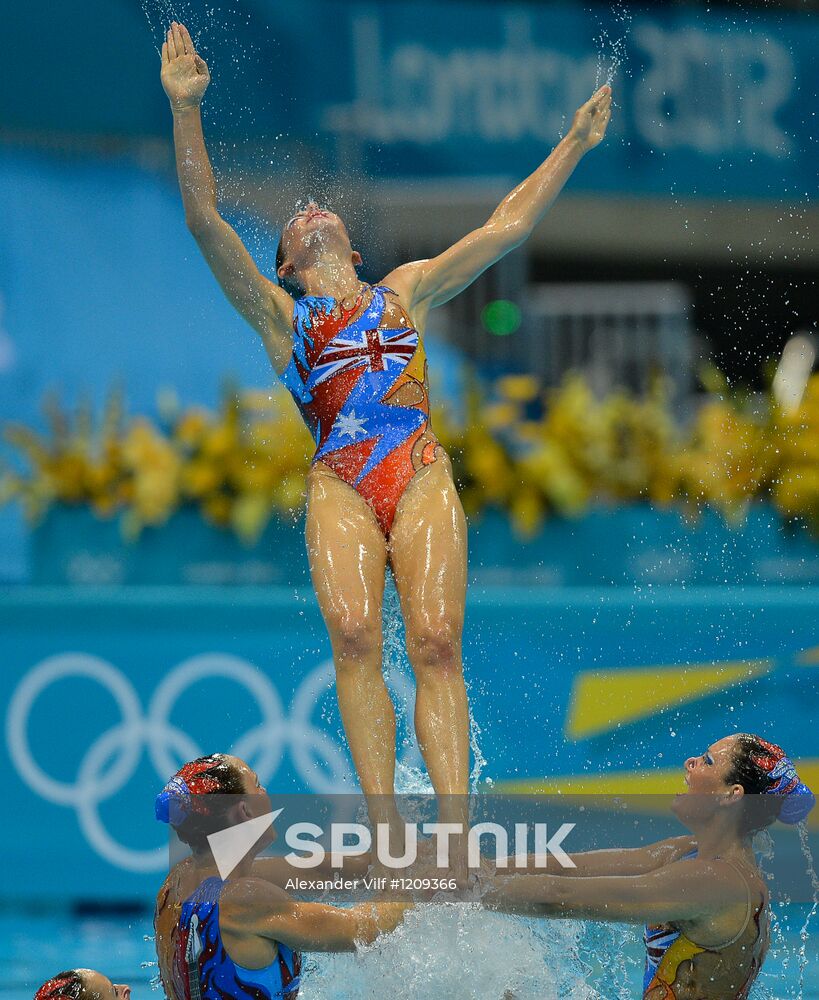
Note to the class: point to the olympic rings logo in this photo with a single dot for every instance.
(112, 759)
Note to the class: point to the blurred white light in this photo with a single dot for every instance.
(793, 372)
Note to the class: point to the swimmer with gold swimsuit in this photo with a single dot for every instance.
(702, 898)
(380, 488)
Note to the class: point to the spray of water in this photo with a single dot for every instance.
(411, 778)
(611, 44)
(804, 932)
(461, 952)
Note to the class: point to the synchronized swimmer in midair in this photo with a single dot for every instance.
(380, 488)
(381, 494)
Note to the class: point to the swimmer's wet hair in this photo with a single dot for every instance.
(184, 802)
(767, 773)
(67, 984)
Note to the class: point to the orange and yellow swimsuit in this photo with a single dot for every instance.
(667, 948)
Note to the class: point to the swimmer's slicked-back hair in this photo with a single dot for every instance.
(185, 801)
(68, 984)
(765, 771)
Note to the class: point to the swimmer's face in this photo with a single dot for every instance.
(706, 781)
(255, 801)
(100, 987)
(311, 233)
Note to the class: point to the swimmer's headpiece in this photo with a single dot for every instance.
(182, 796)
(67, 984)
(764, 768)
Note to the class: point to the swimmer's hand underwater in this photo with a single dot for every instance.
(592, 119)
(185, 75)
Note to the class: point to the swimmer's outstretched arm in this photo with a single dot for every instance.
(433, 282)
(265, 910)
(675, 892)
(266, 306)
(617, 861)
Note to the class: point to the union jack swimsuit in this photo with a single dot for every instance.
(359, 377)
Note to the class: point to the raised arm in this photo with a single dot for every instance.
(435, 281)
(266, 306)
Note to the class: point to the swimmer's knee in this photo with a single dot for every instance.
(354, 639)
(435, 645)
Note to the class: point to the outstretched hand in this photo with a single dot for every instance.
(591, 120)
(185, 75)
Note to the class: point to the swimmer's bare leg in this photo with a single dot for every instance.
(428, 558)
(348, 557)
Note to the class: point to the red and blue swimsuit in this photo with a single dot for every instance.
(359, 377)
(202, 968)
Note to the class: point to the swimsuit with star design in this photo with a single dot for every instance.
(359, 378)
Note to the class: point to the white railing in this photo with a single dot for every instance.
(616, 334)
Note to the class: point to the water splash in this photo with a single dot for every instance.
(611, 44)
(410, 775)
(804, 931)
(785, 972)
(478, 759)
(525, 960)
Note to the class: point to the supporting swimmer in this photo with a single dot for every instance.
(702, 897)
(241, 937)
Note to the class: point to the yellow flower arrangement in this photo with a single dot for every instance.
(238, 466)
(529, 453)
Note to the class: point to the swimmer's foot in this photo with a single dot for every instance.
(458, 860)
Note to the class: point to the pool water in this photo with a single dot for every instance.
(456, 951)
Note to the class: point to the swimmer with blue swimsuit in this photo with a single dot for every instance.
(702, 897)
(380, 489)
(242, 937)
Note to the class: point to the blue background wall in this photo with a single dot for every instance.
(574, 683)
